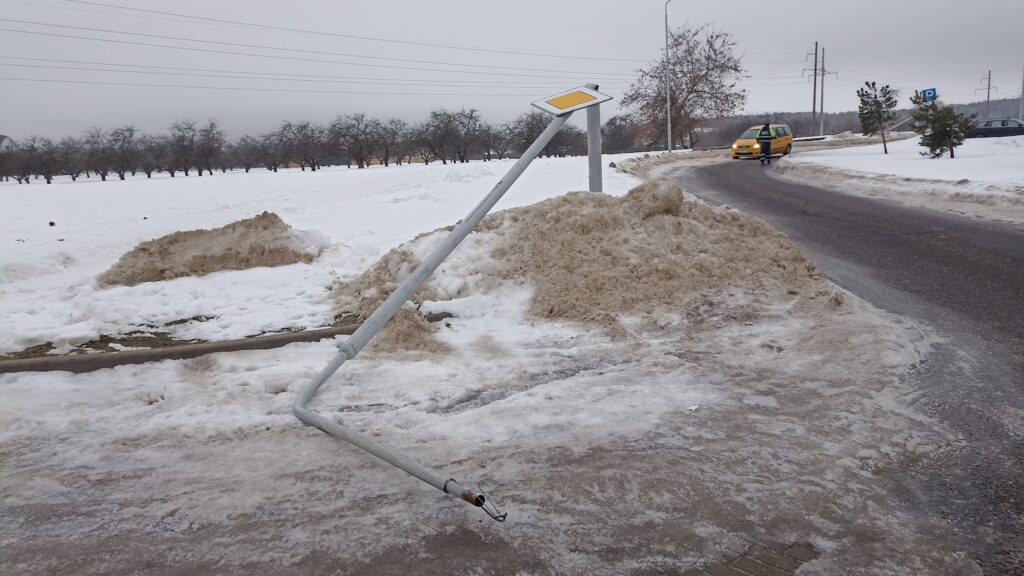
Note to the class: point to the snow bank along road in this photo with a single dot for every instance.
(963, 277)
(646, 384)
(986, 179)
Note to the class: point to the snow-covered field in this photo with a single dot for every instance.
(48, 291)
(745, 417)
(985, 179)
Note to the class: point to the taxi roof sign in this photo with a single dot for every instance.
(571, 100)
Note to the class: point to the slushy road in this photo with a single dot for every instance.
(963, 278)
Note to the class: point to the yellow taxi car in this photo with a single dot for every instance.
(746, 144)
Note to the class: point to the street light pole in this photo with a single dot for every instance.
(668, 89)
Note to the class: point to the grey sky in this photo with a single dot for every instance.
(910, 44)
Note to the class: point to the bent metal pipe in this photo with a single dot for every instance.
(389, 308)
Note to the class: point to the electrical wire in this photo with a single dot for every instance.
(248, 89)
(513, 17)
(277, 57)
(350, 36)
(287, 76)
(297, 50)
(269, 78)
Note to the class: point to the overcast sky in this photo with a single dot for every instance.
(398, 69)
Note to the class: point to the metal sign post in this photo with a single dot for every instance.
(562, 105)
(583, 97)
(594, 145)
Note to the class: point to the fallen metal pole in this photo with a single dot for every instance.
(389, 308)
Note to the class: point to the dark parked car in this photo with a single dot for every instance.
(1000, 127)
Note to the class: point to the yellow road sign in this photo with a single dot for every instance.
(571, 100)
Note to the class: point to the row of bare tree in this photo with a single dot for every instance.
(188, 147)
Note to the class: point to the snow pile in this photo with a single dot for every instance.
(407, 330)
(844, 136)
(263, 240)
(986, 178)
(580, 250)
(598, 260)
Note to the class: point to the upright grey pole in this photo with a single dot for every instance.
(821, 109)
(668, 89)
(594, 144)
(814, 94)
(988, 95)
(1020, 108)
(389, 308)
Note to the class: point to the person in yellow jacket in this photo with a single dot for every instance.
(764, 140)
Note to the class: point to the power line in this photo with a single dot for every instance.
(268, 78)
(246, 89)
(350, 36)
(287, 76)
(276, 57)
(298, 50)
(512, 17)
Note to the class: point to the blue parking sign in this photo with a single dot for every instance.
(929, 94)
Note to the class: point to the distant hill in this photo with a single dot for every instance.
(1002, 108)
(723, 131)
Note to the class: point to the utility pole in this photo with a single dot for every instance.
(668, 89)
(1020, 110)
(987, 81)
(821, 126)
(814, 93)
(821, 109)
(988, 95)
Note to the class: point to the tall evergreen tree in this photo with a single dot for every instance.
(940, 127)
(877, 108)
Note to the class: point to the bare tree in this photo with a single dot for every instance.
(272, 151)
(98, 153)
(22, 160)
(496, 141)
(182, 149)
(47, 160)
(246, 153)
(467, 135)
(124, 153)
(703, 75)
(209, 145)
(356, 137)
(440, 134)
(71, 157)
(390, 137)
(619, 134)
(527, 127)
(420, 142)
(306, 143)
(150, 152)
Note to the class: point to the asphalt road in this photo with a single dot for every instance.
(962, 277)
